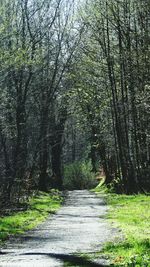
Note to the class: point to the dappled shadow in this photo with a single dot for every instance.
(78, 226)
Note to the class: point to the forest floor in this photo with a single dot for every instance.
(71, 237)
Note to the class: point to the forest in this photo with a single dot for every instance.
(74, 95)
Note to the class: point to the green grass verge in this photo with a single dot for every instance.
(132, 215)
(38, 210)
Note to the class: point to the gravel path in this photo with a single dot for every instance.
(79, 226)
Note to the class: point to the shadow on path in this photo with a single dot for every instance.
(79, 226)
(71, 259)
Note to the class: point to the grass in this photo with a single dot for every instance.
(132, 215)
(39, 207)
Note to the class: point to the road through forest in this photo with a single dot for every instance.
(79, 226)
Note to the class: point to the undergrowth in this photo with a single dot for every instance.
(79, 175)
(39, 207)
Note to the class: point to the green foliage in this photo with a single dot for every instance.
(40, 207)
(101, 187)
(129, 253)
(79, 175)
(132, 215)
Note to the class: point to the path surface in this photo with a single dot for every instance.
(79, 226)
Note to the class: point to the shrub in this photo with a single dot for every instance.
(79, 175)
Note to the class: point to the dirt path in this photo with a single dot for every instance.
(79, 226)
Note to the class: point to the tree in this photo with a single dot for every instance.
(115, 28)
